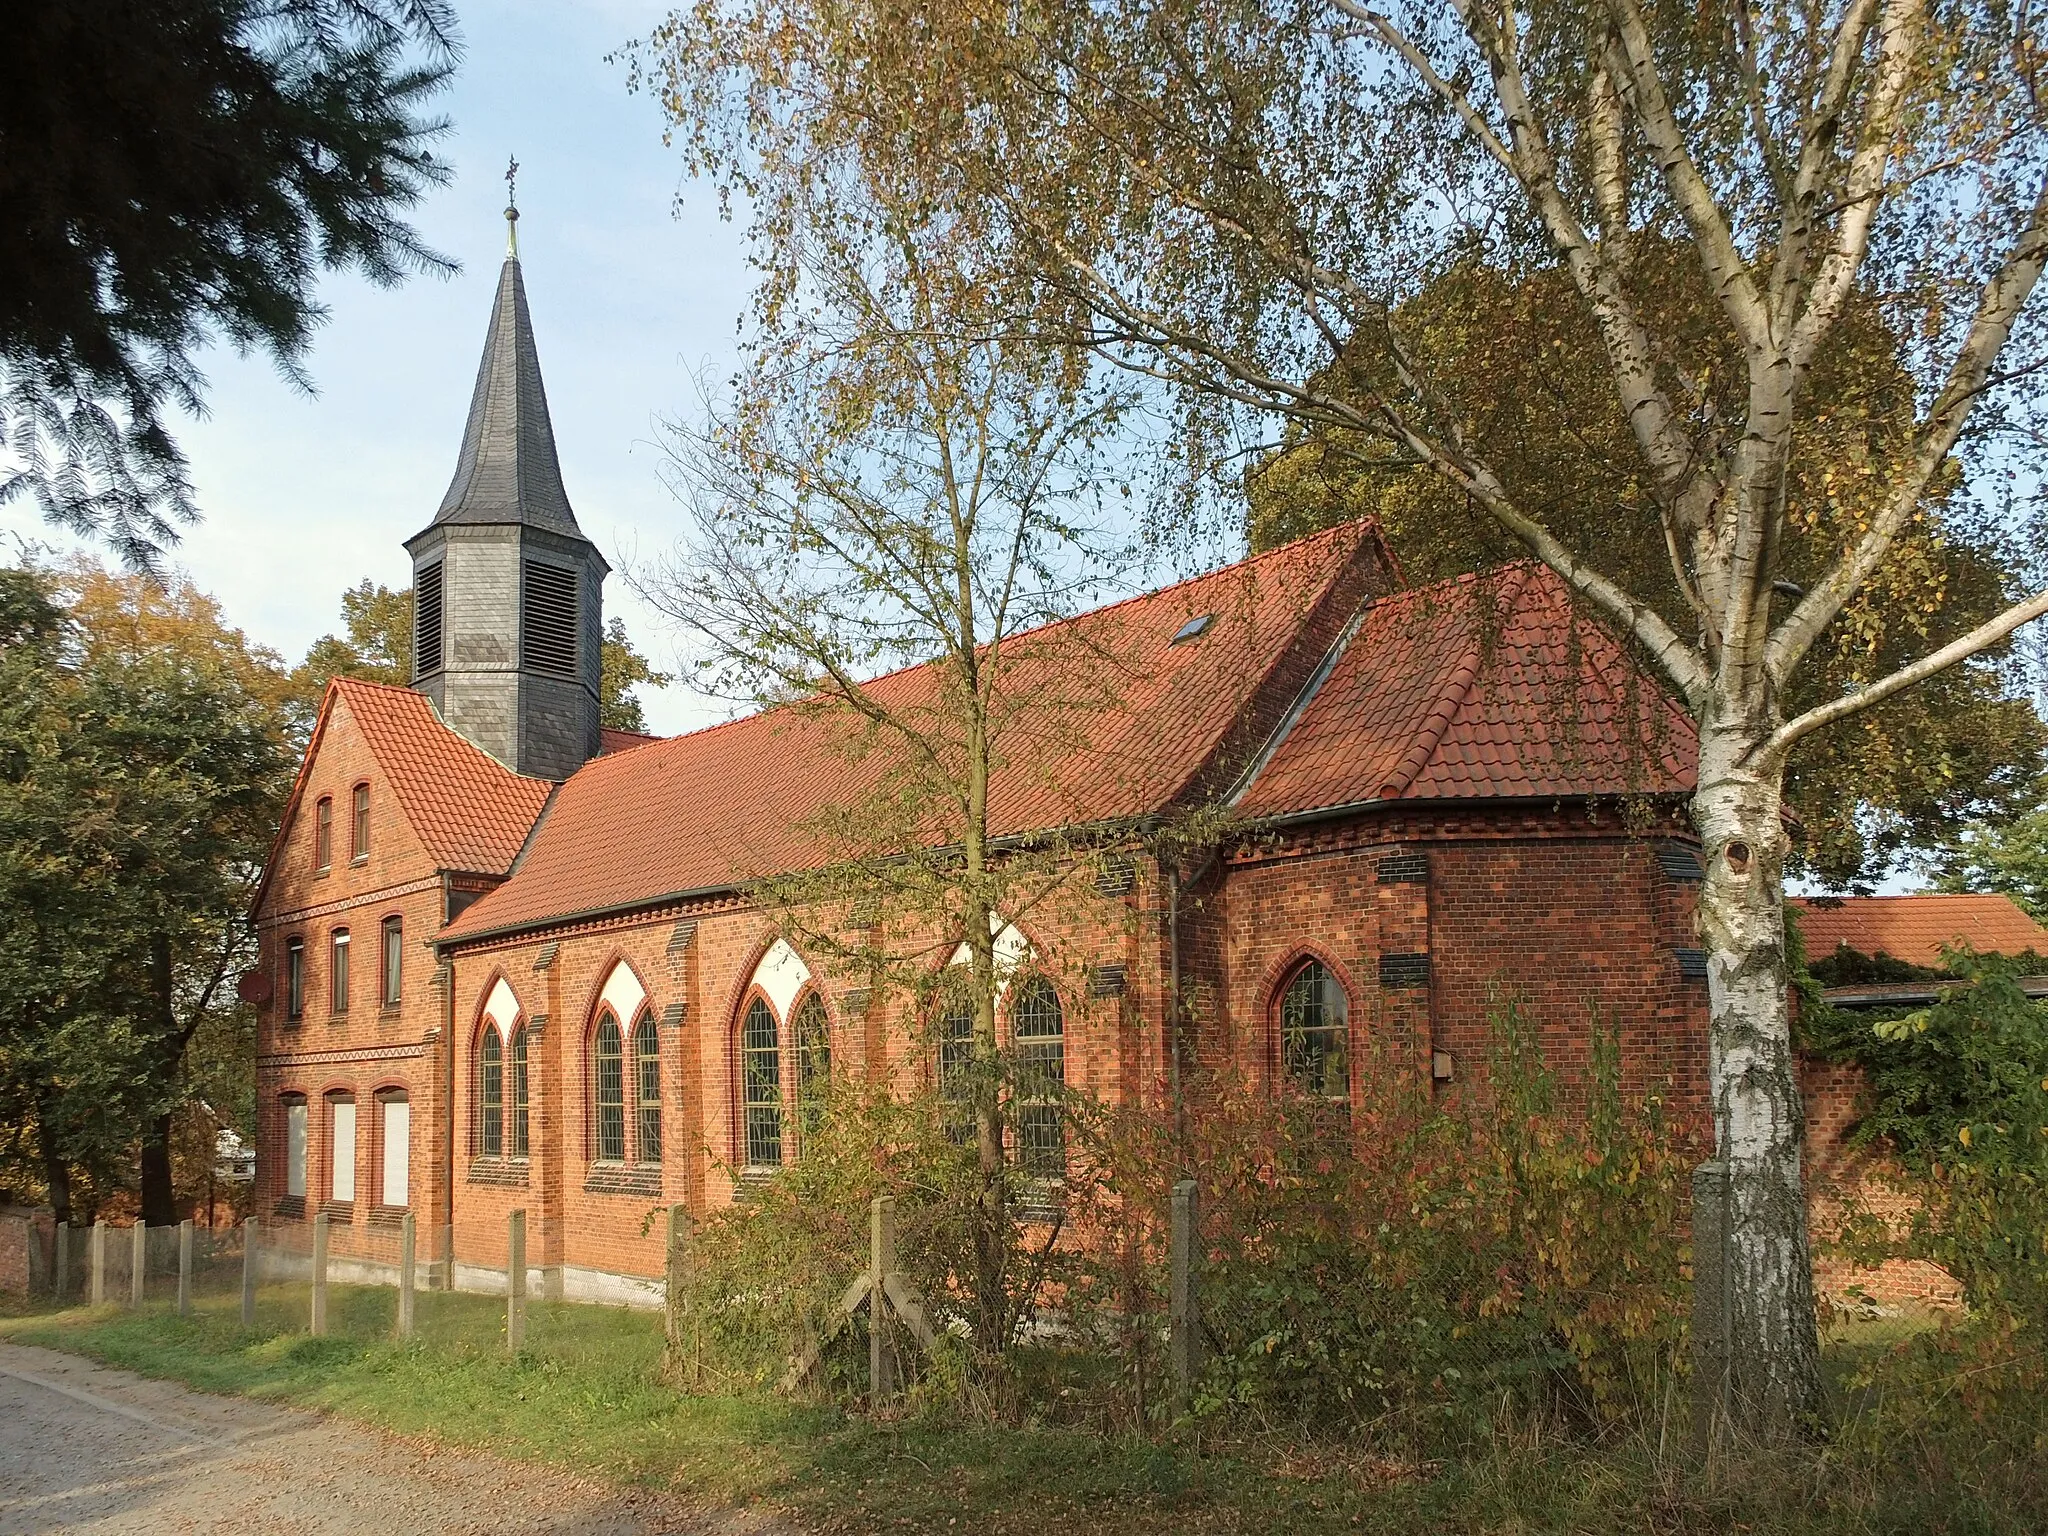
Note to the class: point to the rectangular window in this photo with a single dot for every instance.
(394, 959)
(323, 834)
(295, 1149)
(397, 1150)
(547, 626)
(343, 1143)
(426, 641)
(359, 830)
(339, 987)
(294, 979)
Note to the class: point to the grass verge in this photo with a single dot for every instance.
(585, 1395)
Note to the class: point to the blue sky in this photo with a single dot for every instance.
(632, 300)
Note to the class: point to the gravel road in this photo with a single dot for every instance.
(85, 1448)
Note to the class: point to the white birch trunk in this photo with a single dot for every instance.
(1767, 1358)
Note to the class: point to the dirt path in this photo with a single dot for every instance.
(85, 1448)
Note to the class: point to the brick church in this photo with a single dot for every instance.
(512, 960)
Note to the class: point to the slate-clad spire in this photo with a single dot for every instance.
(508, 593)
(508, 472)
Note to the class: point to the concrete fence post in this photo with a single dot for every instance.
(251, 1260)
(881, 1259)
(318, 1321)
(138, 1270)
(1712, 1303)
(1183, 1315)
(185, 1268)
(61, 1278)
(99, 1262)
(679, 1356)
(515, 1281)
(408, 1235)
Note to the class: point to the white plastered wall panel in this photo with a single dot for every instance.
(781, 974)
(623, 994)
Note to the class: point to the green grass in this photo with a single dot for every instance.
(584, 1395)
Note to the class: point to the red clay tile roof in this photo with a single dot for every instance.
(1486, 685)
(1913, 928)
(610, 741)
(470, 810)
(1114, 721)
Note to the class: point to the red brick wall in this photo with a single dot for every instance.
(1557, 902)
(370, 1048)
(1566, 911)
(1836, 1176)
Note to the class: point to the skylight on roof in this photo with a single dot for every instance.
(1194, 629)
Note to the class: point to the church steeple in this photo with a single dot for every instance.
(507, 591)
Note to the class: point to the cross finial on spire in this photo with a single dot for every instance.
(512, 206)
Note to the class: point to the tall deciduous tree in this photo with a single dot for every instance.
(1522, 361)
(142, 766)
(900, 483)
(1231, 198)
(174, 171)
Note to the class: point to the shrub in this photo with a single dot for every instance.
(1411, 1264)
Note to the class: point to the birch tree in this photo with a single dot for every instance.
(1230, 196)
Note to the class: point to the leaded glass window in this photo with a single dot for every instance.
(1315, 1033)
(761, 1085)
(647, 1092)
(956, 1064)
(609, 1070)
(1039, 1027)
(519, 1089)
(490, 1130)
(813, 1060)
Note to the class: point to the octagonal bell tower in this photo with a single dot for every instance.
(508, 593)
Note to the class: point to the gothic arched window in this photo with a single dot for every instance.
(1038, 1026)
(761, 1085)
(608, 1074)
(813, 1033)
(956, 1064)
(490, 1095)
(646, 1092)
(518, 1124)
(1315, 1033)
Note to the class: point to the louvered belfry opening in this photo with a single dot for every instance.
(427, 620)
(548, 614)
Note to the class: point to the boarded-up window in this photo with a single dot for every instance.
(342, 1143)
(295, 1148)
(397, 1151)
(427, 620)
(548, 611)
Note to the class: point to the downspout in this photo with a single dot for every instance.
(1175, 881)
(448, 1096)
